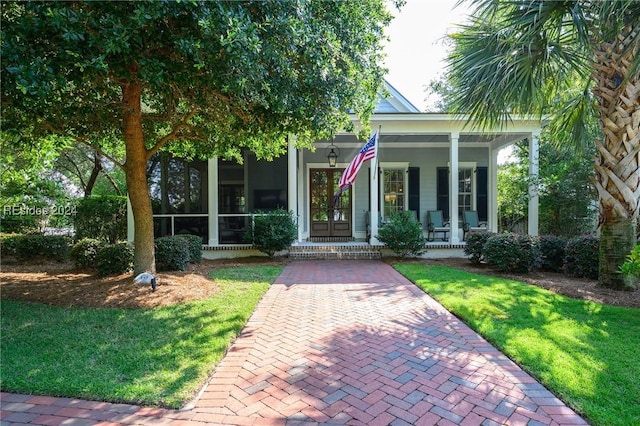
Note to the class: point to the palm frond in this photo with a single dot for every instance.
(516, 56)
(573, 124)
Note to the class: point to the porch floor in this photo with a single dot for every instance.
(336, 250)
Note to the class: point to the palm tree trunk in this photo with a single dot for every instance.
(617, 176)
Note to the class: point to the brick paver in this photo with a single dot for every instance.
(339, 342)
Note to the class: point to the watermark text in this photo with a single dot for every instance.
(25, 210)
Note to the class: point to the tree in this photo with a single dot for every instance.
(513, 181)
(30, 199)
(85, 166)
(568, 199)
(515, 56)
(193, 78)
(567, 195)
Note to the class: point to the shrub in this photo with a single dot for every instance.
(172, 253)
(582, 256)
(195, 246)
(84, 253)
(510, 252)
(36, 245)
(102, 218)
(7, 244)
(273, 231)
(402, 234)
(114, 259)
(474, 247)
(551, 252)
(631, 267)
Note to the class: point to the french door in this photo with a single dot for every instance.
(329, 217)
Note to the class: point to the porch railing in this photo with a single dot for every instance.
(232, 227)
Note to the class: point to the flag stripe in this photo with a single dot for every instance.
(368, 152)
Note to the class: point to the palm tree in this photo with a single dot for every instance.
(518, 56)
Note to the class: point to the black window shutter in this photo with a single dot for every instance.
(482, 193)
(442, 190)
(414, 190)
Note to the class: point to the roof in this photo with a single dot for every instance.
(392, 101)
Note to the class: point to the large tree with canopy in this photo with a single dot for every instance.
(191, 77)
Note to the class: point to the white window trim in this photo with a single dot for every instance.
(395, 166)
(470, 165)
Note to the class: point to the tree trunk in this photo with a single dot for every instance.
(136, 170)
(112, 182)
(615, 245)
(97, 168)
(617, 168)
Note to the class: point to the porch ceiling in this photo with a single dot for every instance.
(434, 139)
(408, 130)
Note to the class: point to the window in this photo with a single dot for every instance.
(232, 202)
(178, 191)
(394, 188)
(177, 186)
(465, 190)
(472, 189)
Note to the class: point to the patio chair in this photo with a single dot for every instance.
(415, 215)
(470, 223)
(435, 224)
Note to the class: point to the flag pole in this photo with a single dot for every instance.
(374, 213)
(374, 163)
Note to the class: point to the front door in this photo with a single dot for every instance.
(329, 219)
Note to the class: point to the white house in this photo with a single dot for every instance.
(425, 162)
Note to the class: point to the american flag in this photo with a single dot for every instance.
(368, 152)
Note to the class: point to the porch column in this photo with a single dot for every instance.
(534, 163)
(212, 204)
(453, 188)
(130, 227)
(302, 206)
(493, 190)
(373, 201)
(292, 180)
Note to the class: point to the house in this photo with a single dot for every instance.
(425, 162)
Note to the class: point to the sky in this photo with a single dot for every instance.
(415, 52)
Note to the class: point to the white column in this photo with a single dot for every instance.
(300, 200)
(534, 165)
(373, 200)
(453, 188)
(130, 225)
(493, 191)
(212, 204)
(292, 180)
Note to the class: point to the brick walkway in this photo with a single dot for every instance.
(339, 342)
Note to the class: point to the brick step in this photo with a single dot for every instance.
(333, 251)
(331, 239)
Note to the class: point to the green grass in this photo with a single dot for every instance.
(158, 357)
(586, 353)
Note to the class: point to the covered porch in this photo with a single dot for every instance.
(425, 162)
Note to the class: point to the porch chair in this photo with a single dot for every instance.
(470, 223)
(435, 223)
(414, 214)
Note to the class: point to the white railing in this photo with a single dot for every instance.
(231, 226)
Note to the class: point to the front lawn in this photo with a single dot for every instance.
(584, 352)
(157, 357)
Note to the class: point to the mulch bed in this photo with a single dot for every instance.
(60, 284)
